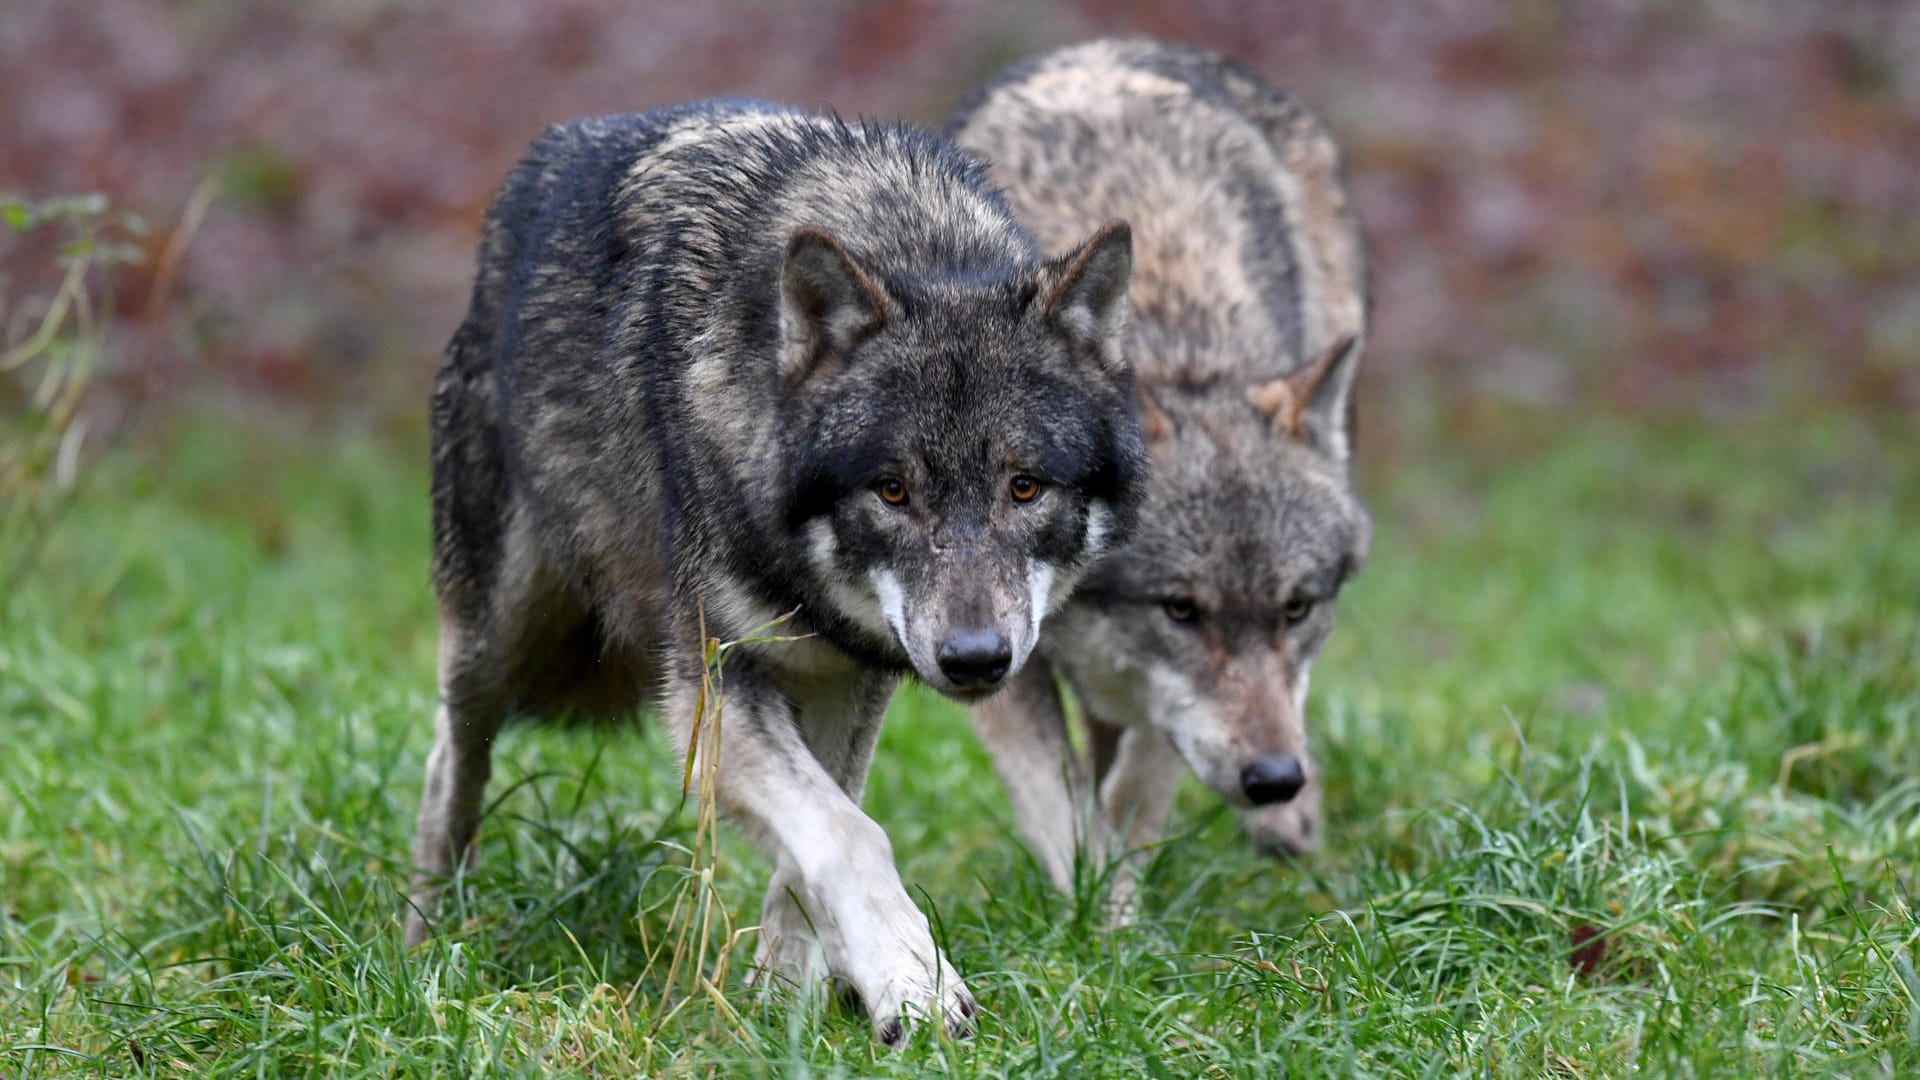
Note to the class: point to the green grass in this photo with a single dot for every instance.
(1655, 686)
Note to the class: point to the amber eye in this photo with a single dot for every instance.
(1297, 610)
(1025, 488)
(892, 492)
(1180, 609)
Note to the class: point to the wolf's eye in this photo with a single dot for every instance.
(1180, 609)
(1297, 610)
(892, 492)
(1024, 488)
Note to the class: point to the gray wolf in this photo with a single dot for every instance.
(1193, 643)
(726, 362)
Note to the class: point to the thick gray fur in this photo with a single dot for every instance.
(707, 346)
(1249, 306)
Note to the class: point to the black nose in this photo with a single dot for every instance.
(1273, 779)
(974, 658)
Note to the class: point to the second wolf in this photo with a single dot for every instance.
(1192, 644)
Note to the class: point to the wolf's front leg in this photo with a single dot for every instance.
(840, 727)
(1136, 797)
(832, 862)
(1025, 732)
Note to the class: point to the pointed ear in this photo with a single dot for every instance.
(827, 303)
(1085, 294)
(1315, 403)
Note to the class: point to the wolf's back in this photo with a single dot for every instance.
(687, 208)
(1248, 258)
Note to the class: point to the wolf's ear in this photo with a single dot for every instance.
(1315, 404)
(1085, 294)
(827, 303)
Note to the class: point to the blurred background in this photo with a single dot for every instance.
(1699, 208)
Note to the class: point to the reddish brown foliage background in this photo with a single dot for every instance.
(1694, 205)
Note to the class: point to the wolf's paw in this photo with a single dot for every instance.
(905, 1003)
(417, 932)
(419, 927)
(789, 952)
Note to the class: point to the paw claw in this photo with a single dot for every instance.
(960, 1026)
(953, 1003)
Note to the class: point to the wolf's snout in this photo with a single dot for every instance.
(1274, 779)
(975, 659)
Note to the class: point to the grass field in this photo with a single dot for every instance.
(1622, 727)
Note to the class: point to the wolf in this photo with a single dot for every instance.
(728, 363)
(1191, 645)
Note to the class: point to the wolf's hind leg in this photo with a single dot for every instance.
(457, 770)
(1025, 732)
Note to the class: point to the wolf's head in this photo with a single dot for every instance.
(1207, 624)
(971, 447)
